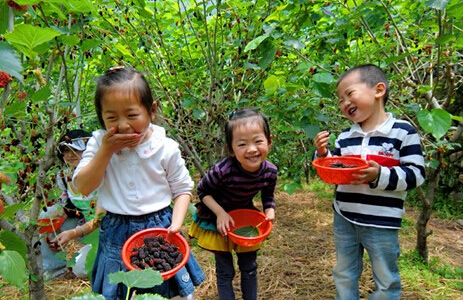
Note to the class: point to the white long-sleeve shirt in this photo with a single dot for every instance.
(141, 180)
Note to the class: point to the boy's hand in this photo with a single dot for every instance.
(367, 175)
(321, 142)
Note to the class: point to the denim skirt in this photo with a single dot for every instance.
(115, 230)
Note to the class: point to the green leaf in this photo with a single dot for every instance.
(13, 268)
(149, 297)
(10, 62)
(11, 210)
(17, 110)
(255, 43)
(272, 83)
(294, 44)
(26, 37)
(70, 40)
(247, 231)
(323, 78)
(290, 188)
(437, 4)
(311, 130)
(42, 95)
(89, 296)
(13, 242)
(146, 278)
(436, 122)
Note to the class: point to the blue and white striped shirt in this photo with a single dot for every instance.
(396, 146)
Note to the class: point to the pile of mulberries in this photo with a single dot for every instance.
(156, 253)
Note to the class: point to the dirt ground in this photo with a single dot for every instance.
(296, 261)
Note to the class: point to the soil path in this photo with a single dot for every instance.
(296, 261)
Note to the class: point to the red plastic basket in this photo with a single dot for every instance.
(49, 225)
(137, 240)
(249, 217)
(338, 175)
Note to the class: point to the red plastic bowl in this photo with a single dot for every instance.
(137, 240)
(249, 217)
(338, 175)
(48, 225)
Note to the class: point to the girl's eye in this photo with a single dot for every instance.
(133, 116)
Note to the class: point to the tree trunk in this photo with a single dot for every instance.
(427, 200)
(34, 265)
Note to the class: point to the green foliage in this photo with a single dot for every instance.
(206, 59)
(432, 275)
(13, 268)
(146, 278)
(12, 242)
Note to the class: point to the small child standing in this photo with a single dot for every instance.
(137, 171)
(232, 184)
(368, 212)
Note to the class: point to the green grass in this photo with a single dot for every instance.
(321, 188)
(445, 282)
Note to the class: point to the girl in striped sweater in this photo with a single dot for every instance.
(232, 184)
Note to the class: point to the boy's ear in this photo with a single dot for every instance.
(380, 90)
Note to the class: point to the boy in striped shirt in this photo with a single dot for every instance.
(368, 212)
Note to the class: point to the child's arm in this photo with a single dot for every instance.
(65, 237)
(223, 218)
(89, 177)
(181, 204)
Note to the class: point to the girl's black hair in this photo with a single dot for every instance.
(371, 75)
(241, 116)
(134, 80)
(68, 137)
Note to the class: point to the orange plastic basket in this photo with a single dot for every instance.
(341, 174)
(48, 225)
(138, 239)
(249, 217)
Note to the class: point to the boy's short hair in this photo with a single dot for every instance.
(371, 75)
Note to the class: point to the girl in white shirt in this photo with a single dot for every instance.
(137, 171)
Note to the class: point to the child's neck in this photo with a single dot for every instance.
(374, 121)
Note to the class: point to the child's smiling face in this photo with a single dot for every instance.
(250, 145)
(124, 111)
(360, 102)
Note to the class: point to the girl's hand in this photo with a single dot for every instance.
(270, 214)
(223, 223)
(367, 175)
(321, 142)
(62, 240)
(115, 142)
(173, 229)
